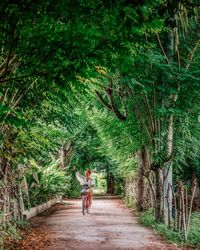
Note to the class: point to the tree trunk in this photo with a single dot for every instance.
(65, 152)
(167, 175)
(143, 164)
(5, 193)
(168, 171)
(110, 184)
(158, 194)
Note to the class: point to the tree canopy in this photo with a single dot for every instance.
(105, 85)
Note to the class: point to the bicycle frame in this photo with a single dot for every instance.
(85, 203)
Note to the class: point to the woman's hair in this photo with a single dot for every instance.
(88, 172)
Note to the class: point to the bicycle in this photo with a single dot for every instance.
(85, 199)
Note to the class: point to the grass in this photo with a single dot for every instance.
(129, 202)
(148, 220)
(194, 231)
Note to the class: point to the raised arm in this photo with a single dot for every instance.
(80, 178)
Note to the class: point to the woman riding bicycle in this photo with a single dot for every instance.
(86, 182)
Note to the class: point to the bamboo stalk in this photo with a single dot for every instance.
(169, 212)
(186, 206)
(183, 213)
(179, 210)
(175, 207)
(194, 185)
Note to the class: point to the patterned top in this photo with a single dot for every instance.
(83, 181)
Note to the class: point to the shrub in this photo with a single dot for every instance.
(46, 182)
(148, 219)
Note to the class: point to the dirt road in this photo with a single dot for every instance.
(109, 226)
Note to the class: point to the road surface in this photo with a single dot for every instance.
(110, 225)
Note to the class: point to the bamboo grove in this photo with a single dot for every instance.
(112, 85)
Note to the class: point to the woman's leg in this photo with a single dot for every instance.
(90, 198)
(86, 205)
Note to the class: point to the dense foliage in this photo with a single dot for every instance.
(112, 86)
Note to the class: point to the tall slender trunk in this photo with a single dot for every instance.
(143, 164)
(168, 171)
(5, 193)
(158, 194)
(167, 174)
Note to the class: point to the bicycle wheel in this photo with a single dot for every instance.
(88, 210)
(83, 204)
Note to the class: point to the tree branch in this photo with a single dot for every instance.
(163, 51)
(23, 77)
(148, 110)
(112, 107)
(139, 115)
(102, 100)
(192, 55)
(10, 51)
(119, 115)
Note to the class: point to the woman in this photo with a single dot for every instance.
(88, 181)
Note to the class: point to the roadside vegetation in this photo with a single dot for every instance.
(148, 220)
